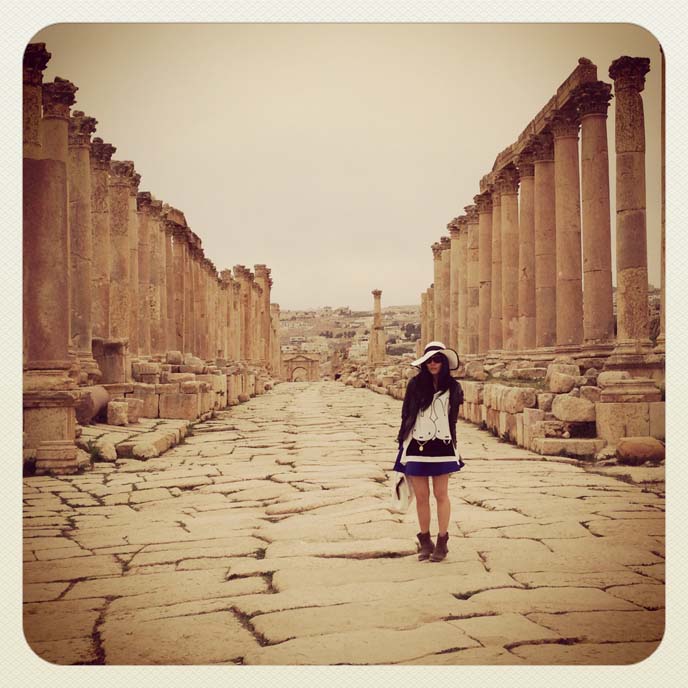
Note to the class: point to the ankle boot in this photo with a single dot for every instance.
(426, 546)
(441, 549)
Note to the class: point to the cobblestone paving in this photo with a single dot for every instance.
(266, 538)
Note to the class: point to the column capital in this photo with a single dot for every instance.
(543, 146)
(524, 162)
(58, 97)
(80, 128)
(120, 172)
(483, 202)
(456, 225)
(507, 180)
(236, 287)
(496, 196)
(593, 98)
(172, 219)
(471, 214)
(436, 250)
(261, 270)
(36, 59)
(565, 123)
(144, 200)
(377, 293)
(156, 208)
(101, 153)
(629, 72)
(134, 182)
(445, 243)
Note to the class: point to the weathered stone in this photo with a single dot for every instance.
(544, 401)
(637, 450)
(91, 402)
(117, 412)
(590, 393)
(565, 368)
(178, 405)
(568, 408)
(607, 378)
(561, 383)
(614, 421)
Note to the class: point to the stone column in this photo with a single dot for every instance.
(526, 253)
(134, 304)
(121, 172)
(36, 59)
(257, 295)
(263, 278)
(236, 322)
(376, 343)
(472, 281)
(508, 183)
(431, 313)
(48, 405)
(454, 268)
(437, 294)
(484, 204)
(424, 318)
(158, 275)
(171, 341)
(226, 300)
(277, 351)
(462, 221)
(241, 275)
(445, 273)
(496, 290)
(565, 125)
(178, 279)
(101, 153)
(598, 312)
(660, 346)
(58, 96)
(545, 242)
(192, 304)
(81, 243)
(145, 302)
(628, 74)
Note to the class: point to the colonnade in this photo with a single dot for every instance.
(527, 270)
(109, 267)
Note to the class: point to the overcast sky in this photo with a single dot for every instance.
(334, 153)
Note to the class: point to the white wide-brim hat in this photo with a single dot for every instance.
(433, 348)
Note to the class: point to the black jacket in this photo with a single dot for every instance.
(411, 406)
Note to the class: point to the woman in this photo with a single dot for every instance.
(427, 441)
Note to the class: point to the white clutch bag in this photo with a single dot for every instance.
(402, 492)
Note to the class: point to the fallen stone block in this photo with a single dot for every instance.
(174, 357)
(614, 421)
(135, 409)
(566, 368)
(584, 448)
(610, 377)
(117, 412)
(635, 451)
(561, 383)
(152, 445)
(590, 393)
(178, 405)
(92, 401)
(544, 401)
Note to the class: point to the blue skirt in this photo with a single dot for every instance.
(427, 468)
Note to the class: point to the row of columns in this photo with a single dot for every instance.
(106, 263)
(530, 262)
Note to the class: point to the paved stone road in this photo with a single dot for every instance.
(266, 539)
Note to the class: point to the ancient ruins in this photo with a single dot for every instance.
(523, 285)
(124, 315)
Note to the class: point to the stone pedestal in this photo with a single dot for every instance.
(484, 205)
(112, 357)
(545, 242)
(628, 74)
(565, 125)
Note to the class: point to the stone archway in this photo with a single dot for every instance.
(299, 375)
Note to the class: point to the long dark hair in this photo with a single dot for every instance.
(426, 389)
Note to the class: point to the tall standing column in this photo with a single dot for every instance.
(633, 328)
(660, 346)
(424, 319)
(508, 183)
(81, 243)
(134, 305)
(462, 222)
(453, 339)
(170, 284)
(496, 290)
(101, 153)
(598, 312)
(145, 300)
(236, 322)
(263, 277)
(120, 259)
(158, 275)
(484, 205)
(241, 275)
(256, 295)
(473, 281)
(181, 294)
(445, 273)
(565, 125)
(431, 313)
(276, 349)
(48, 406)
(545, 242)
(376, 343)
(194, 252)
(437, 294)
(526, 253)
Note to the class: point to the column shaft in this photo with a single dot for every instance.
(484, 205)
(508, 181)
(526, 256)
(496, 290)
(472, 280)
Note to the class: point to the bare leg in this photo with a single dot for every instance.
(421, 488)
(440, 483)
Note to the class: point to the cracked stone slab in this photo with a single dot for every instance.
(376, 646)
(505, 629)
(98, 565)
(360, 549)
(472, 656)
(586, 653)
(208, 638)
(647, 595)
(600, 579)
(65, 652)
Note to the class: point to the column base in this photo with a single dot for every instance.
(638, 358)
(543, 354)
(58, 457)
(90, 372)
(567, 349)
(595, 354)
(660, 346)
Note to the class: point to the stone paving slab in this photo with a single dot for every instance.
(268, 538)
